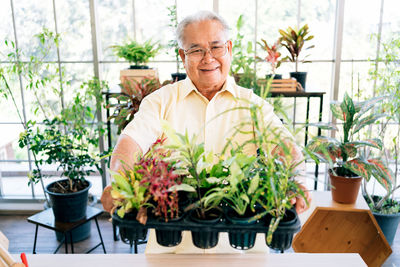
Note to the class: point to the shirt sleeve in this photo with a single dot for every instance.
(145, 127)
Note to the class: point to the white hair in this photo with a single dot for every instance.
(203, 15)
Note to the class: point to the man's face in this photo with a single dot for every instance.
(207, 72)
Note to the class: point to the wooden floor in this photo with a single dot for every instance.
(21, 235)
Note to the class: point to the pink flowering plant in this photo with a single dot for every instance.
(272, 54)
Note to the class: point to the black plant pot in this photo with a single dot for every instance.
(388, 223)
(276, 76)
(138, 67)
(169, 238)
(283, 236)
(130, 234)
(206, 238)
(300, 77)
(69, 207)
(177, 76)
(239, 240)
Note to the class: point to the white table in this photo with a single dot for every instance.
(193, 260)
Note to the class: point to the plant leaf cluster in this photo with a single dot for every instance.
(345, 153)
(135, 52)
(294, 40)
(128, 103)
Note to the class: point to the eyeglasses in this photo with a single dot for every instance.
(217, 50)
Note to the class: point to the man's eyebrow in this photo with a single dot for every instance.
(211, 43)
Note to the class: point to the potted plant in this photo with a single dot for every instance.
(151, 184)
(385, 208)
(272, 185)
(70, 142)
(236, 193)
(197, 166)
(173, 44)
(242, 61)
(138, 54)
(128, 102)
(272, 57)
(347, 166)
(294, 40)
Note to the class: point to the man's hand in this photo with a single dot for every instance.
(106, 199)
(299, 201)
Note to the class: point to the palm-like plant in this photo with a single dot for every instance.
(294, 40)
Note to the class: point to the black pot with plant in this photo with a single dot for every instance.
(206, 238)
(68, 141)
(283, 236)
(344, 155)
(293, 40)
(385, 207)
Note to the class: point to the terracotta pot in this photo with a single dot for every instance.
(345, 189)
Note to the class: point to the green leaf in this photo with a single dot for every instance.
(324, 126)
(182, 187)
(253, 184)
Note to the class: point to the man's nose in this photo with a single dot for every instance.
(208, 57)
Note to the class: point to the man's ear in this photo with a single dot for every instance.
(229, 45)
(182, 55)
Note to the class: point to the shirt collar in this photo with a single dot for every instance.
(187, 87)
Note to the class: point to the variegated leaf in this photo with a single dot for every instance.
(368, 104)
(359, 166)
(367, 121)
(375, 142)
(336, 110)
(382, 173)
(350, 150)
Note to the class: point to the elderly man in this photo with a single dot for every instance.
(193, 104)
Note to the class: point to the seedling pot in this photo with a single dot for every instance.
(239, 240)
(283, 236)
(206, 239)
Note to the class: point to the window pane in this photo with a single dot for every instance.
(391, 18)
(73, 19)
(9, 149)
(358, 27)
(6, 27)
(30, 19)
(188, 7)
(115, 25)
(355, 80)
(320, 17)
(13, 180)
(271, 19)
(8, 110)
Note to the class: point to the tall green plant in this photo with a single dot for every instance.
(388, 80)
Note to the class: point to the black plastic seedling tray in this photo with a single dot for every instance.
(223, 225)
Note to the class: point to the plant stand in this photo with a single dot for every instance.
(342, 228)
